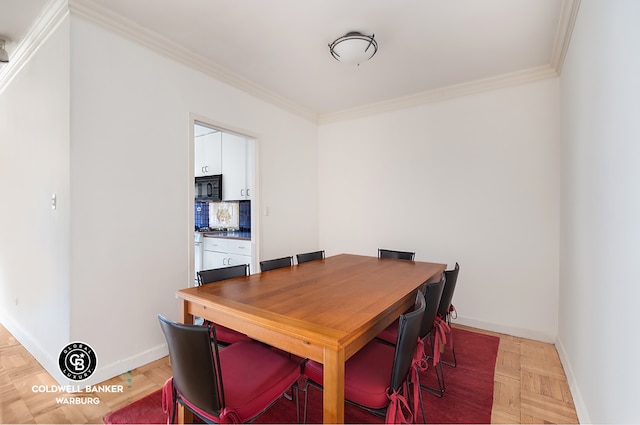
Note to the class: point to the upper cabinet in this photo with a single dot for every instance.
(236, 168)
(208, 158)
(217, 152)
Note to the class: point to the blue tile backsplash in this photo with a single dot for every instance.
(201, 215)
(245, 215)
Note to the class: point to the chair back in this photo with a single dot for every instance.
(449, 288)
(216, 275)
(399, 255)
(277, 263)
(195, 375)
(310, 256)
(408, 332)
(432, 295)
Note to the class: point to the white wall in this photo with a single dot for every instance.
(105, 123)
(34, 164)
(130, 155)
(473, 180)
(600, 242)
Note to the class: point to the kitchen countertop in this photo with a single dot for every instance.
(224, 234)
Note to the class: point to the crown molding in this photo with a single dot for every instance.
(129, 29)
(564, 30)
(441, 94)
(51, 16)
(56, 10)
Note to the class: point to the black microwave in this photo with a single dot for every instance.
(209, 188)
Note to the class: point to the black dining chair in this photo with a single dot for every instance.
(429, 332)
(378, 372)
(277, 263)
(255, 376)
(205, 277)
(222, 273)
(446, 308)
(399, 255)
(310, 256)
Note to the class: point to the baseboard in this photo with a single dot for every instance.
(578, 401)
(39, 353)
(122, 366)
(503, 329)
(103, 373)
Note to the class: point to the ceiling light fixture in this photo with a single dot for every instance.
(354, 48)
(4, 56)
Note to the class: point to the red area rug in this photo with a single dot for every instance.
(468, 398)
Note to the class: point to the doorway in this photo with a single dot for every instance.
(225, 230)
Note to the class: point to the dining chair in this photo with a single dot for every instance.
(378, 377)
(255, 376)
(309, 256)
(222, 273)
(446, 308)
(400, 255)
(430, 332)
(277, 263)
(225, 335)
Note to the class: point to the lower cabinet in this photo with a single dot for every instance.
(218, 252)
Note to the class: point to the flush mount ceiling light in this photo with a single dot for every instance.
(4, 56)
(354, 48)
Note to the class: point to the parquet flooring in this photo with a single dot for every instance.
(530, 386)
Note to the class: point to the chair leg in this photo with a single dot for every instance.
(297, 404)
(453, 348)
(438, 392)
(424, 417)
(306, 401)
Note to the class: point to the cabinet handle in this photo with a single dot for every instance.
(241, 192)
(223, 262)
(248, 194)
(229, 262)
(205, 169)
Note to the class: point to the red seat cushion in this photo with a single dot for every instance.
(390, 333)
(253, 377)
(367, 375)
(229, 336)
(226, 335)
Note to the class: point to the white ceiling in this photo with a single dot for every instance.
(280, 46)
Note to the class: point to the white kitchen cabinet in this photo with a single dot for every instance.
(213, 260)
(239, 246)
(208, 154)
(235, 259)
(235, 168)
(220, 252)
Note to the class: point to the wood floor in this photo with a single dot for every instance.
(530, 386)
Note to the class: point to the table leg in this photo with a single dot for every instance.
(185, 317)
(333, 383)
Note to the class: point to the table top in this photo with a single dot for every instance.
(327, 302)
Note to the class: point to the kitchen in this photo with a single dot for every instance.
(223, 164)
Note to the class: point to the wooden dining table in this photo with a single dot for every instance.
(325, 310)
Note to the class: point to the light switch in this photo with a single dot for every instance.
(53, 201)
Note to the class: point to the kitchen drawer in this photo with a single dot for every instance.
(215, 244)
(238, 246)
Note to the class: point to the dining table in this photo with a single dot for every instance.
(325, 310)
